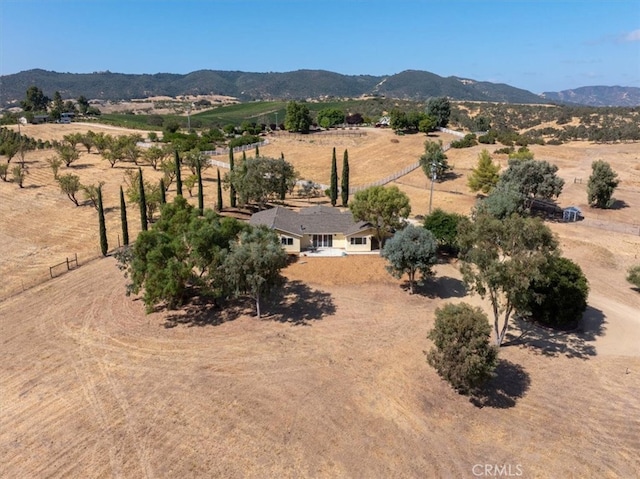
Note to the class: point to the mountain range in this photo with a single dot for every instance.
(298, 85)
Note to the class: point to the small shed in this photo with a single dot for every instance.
(571, 214)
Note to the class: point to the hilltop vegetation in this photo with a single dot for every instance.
(301, 84)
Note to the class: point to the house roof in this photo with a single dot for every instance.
(312, 220)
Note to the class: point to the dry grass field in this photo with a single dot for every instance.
(333, 382)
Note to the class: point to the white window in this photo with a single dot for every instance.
(359, 240)
(286, 241)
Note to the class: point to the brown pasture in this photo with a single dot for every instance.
(333, 382)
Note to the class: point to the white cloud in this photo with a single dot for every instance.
(633, 36)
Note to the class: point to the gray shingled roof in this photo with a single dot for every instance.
(312, 220)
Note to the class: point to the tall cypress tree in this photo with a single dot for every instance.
(143, 201)
(163, 194)
(123, 219)
(345, 179)
(232, 190)
(178, 175)
(243, 171)
(257, 151)
(334, 179)
(219, 203)
(200, 192)
(104, 246)
(283, 178)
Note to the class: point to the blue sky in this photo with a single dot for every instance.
(538, 45)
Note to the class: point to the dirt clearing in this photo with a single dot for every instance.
(333, 382)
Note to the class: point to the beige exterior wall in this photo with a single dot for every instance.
(339, 242)
(305, 242)
(290, 248)
(360, 248)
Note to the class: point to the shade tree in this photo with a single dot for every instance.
(297, 117)
(557, 297)
(500, 260)
(444, 227)
(440, 109)
(601, 185)
(533, 179)
(385, 208)
(260, 178)
(253, 264)
(411, 251)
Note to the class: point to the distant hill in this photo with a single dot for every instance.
(597, 96)
(300, 84)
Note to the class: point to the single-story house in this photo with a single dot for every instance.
(318, 227)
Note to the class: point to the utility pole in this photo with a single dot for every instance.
(434, 164)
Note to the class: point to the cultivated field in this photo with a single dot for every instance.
(333, 383)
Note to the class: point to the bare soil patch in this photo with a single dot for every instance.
(333, 382)
(94, 387)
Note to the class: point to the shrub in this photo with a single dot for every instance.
(559, 297)
(243, 140)
(444, 227)
(468, 141)
(462, 354)
(633, 276)
(504, 151)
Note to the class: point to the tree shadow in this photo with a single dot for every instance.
(294, 303)
(575, 343)
(30, 187)
(298, 304)
(509, 383)
(206, 311)
(442, 287)
(618, 204)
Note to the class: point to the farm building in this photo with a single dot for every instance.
(318, 227)
(571, 214)
(39, 119)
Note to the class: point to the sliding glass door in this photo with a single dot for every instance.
(323, 241)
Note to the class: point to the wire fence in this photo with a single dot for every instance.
(352, 190)
(63, 267)
(237, 149)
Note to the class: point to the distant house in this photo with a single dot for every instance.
(66, 117)
(318, 227)
(383, 122)
(38, 119)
